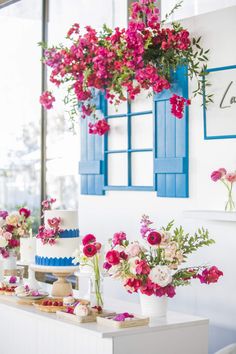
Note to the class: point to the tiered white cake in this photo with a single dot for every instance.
(59, 254)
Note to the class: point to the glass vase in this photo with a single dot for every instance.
(96, 290)
(230, 205)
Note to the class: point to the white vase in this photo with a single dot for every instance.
(9, 263)
(153, 306)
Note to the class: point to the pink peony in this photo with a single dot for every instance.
(118, 238)
(25, 212)
(89, 250)
(154, 238)
(89, 238)
(113, 257)
(210, 275)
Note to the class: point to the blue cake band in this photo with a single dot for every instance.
(69, 233)
(54, 262)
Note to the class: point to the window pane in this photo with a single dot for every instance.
(117, 136)
(142, 168)
(142, 131)
(117, 170)
(20, 87)
(143, 102)
(121, 109)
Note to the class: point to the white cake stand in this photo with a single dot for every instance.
(61, 287)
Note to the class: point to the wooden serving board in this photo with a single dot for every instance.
(83, 319)
(133, 322)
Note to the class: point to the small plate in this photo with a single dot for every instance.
(42, 295)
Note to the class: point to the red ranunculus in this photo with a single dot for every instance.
(88, 239)
(113, 257)
(90, 250)
(154, 238)
(25, 212)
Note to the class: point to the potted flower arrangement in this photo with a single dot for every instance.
(122, 62)
(89, 256)
(13, 227)
(228, 179)
(153, 270)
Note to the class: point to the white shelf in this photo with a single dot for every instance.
(216, 215)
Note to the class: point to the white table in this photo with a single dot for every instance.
(24, 330)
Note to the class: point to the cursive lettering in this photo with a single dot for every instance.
(224, 95)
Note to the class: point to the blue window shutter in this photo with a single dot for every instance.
(91, 166)
(171, 141)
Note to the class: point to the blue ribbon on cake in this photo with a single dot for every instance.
(54, 262)
(69, 233)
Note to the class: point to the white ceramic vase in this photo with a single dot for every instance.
(9, 263)
(153, 306)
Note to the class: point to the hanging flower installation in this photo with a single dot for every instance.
(122, 62)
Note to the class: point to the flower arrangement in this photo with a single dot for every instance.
(154, 269)
(12, 227)
(89, 255)
(50, 234)
(228, 179)
(122, 62)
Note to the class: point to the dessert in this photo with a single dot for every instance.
(68, 301)
(57, 238)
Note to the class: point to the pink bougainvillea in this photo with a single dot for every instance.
(122, 62)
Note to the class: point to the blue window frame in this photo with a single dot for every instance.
(169, 151)
(128, 152)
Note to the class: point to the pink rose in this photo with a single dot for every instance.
(133, 249)
(88, 239)
(113, 257)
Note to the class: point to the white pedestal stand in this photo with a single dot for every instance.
(61, 287)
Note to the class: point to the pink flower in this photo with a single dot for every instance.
(113, 257)
(89, 250)
(170, 291)
(231, 177)
(54, 222)
(3, 214)
(89, 238)
(13, 279)
(154, 238)
(101, 127)
(148, 287)
(47, 204)
(25, 212)
(7, 235)
(178, 103)
(216, 176)
(107, 265)
(222, 171)
(98, 246)
(210, 275)
(13, 243)
(142, 268)
(118, 238)
(132, 285)
(47, 99)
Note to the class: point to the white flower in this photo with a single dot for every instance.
(165, 237)
(161, 275)
(133, 249)
(3, 242)
(133, 264)
(170, 251)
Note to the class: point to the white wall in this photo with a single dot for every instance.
(122, 210)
